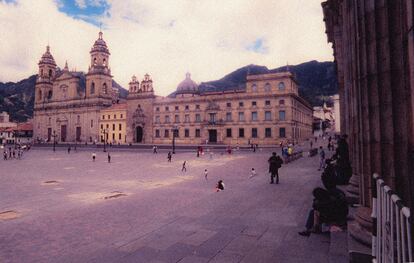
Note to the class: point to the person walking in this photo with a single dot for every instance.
(220, 186)
(184, 169)
(93, 156)
(109, 158)
(205, 174)
(69, 150)
(169, 156)
(275, 162)
(321, 158)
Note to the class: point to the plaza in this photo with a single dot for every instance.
(60, 207)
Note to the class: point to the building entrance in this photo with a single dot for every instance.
(138, 134)
(63, 133)
(212, 136)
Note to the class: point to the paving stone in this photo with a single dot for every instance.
(226, 257)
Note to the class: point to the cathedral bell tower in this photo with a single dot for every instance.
(98, 78)
(45, 77)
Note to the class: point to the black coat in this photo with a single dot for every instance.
(275, 162)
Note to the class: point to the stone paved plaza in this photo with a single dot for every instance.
(140, 208)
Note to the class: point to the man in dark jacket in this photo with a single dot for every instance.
(275, 162)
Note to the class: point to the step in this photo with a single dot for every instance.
(338, 247)
(358, 252)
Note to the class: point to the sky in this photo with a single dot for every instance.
(164, 38)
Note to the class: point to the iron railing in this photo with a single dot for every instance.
(393, 241)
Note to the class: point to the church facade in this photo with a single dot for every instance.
(72, 106)
(67, 103)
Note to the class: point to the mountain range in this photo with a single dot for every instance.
(316, 80)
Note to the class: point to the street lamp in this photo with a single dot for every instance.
(54, 140)
(174, 130)
(105, 132)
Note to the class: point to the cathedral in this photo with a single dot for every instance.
(72, 106)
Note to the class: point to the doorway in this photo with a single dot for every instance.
(212, 136)
(138, 134)
(63, 133)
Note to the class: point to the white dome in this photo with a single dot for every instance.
(187, 85)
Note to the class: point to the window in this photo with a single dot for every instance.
(228, 116)
(228, 104)
(107, 126)
(157, 119)
(122, 116)
(92, 88)
(103, 117)
(177, 118)
(254, 103)
(186, 133)
(281, 102)
(241, 132)
(267, 87)
(268, 132)
(40, 95)
(254, 115)
(268, 115)
(281, 86)
(254, 132)
(267, 103)
(177, 133)
(157, 133)
(167, 119)
(109, 117)
(50, 121)
(212, 117)
(187, 107)
(113, 136)
(91, 123)
(101, 126)
(157, 109)
(187, 118)
(176, 108)
(228, 133)
(115, 116)
(197, 107)
(167, 108)
(120, 127)
(78, 119)
(113, 127)
(49, 94)
(105, 88)
(254, 88)
(197, 133)
(198, 118)
(241, 104)
(241, 116)
(282, 115)
(119, 136)
(166, 133)
(282, 132)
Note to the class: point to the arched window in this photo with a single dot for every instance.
(94, 61)
(254, 88)
(93, 88)
(40, 95)
(49, 94)
(281, 86)
(267, 87)
(105, 89)
(41, 73)
(104, 62)
(50, 73)
(281, 102)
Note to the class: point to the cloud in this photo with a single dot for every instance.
(163, 38)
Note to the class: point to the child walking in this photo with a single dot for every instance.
(252, 173)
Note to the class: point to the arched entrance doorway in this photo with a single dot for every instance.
(138, 134)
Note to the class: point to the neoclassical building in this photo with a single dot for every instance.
(72, 106)
(266, 111)
(68, 103)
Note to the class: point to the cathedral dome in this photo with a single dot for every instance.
(100, 45)
(47, 57)
(187, 85)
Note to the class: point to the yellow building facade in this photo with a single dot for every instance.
(112, 124)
